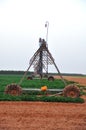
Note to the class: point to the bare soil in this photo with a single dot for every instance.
(78, 80)
(42, 116)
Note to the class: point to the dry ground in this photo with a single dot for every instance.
(42, 116)
(79, 80)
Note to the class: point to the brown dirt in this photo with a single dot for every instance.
(79, 80)
(42, 116)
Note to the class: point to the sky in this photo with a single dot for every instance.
(22, 23)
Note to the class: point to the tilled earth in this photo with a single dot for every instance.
(78, 80)
(42, 116)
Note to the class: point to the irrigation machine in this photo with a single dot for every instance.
(40, 61)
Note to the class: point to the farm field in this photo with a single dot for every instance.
(35, 83)
(79, 80)
(42, 116)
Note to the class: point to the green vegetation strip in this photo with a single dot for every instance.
(43, 98)
(35, 83)
(34, 96)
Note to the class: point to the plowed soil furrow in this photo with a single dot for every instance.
(42, 116)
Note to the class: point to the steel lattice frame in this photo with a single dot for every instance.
(41, 59)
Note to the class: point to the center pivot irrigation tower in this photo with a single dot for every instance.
(42, 58)
(40, 61)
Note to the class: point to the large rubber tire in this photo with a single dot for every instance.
(71, 91)
(51, 78)
(13, 89)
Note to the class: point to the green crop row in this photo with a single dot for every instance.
(40, 98)
(35, 83)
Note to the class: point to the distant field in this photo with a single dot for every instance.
(79, 79)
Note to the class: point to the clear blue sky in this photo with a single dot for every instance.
(22, 23)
